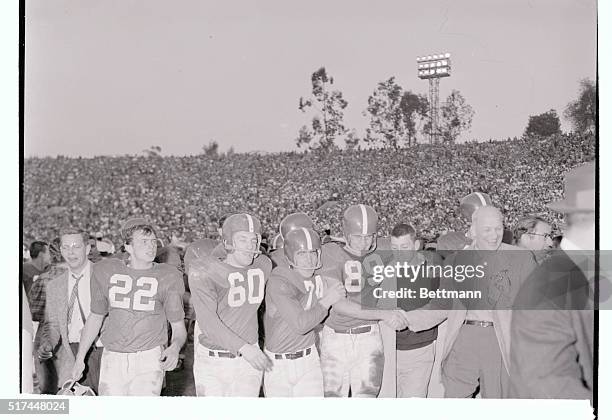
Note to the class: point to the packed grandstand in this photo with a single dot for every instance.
(185, 196)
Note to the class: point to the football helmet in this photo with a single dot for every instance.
(277, 242)
(75, 389)
(294, 220)
(241, 222)
(471, 202)
(302, 240)
(361, 220)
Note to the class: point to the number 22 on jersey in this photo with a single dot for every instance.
(146, 289)
(239, 292)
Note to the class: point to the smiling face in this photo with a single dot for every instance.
(487, 228)
(245, 246)
(74, 250)
(142, 248)
(360, 243)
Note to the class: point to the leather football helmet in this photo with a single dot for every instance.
(277, 242)
(75, 389)
(294, 220)
(471, 202)
(360, 220)
(302, 240)
(241, 222)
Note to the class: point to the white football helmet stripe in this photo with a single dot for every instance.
(481, 198)
(308, 238)
(251, 224)
(364, 218)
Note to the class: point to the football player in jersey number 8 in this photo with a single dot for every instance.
(226, 292)
(351, 343)
(135, 301)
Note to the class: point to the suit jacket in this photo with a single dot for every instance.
(518, 265)
(56, 327)
(552, 333)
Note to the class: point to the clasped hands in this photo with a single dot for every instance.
(397, 319)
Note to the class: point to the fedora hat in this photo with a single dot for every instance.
(579, 191)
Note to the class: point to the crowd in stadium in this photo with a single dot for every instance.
(185, 196)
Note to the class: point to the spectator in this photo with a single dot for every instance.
(415, 350)
(184, 193)
(68, 298)
(38, 264)
(552, 340)
(534, 234)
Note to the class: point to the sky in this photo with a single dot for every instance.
(118, 76)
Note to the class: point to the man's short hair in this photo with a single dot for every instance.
(136, 225)
(72, 230)
(526, 225)
(403, 229)
(37, 247)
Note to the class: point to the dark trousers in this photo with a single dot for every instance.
(46, 372)
(91, 374)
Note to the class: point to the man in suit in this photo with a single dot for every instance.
(552, 332)
(68, 307)
(477, 346)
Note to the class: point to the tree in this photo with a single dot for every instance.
(352, 140)
(415, 108)
(582, 112)
(329, 106)
(455, 116)
(304, 137)
(543, 125)
(212, 149)
(393, 115)
(153, 151)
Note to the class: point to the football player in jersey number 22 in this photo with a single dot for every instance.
(131, 304)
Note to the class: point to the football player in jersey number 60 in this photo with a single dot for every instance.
(139, 299)
(226, 293)
(297, 301)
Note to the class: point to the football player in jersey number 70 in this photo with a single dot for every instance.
(139, 299)
(297, 301)
(226, 293)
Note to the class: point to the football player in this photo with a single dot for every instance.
(290, 222)
(297, 301)
(139, 298)
(277, 243)
(351, 344)
(203, 247)
(226, 293)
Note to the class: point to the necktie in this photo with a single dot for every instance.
(74, 296)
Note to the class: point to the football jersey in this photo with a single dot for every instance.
(226, 300)
(355, 274)
(292, 310)
(278, 258)
(138, 303)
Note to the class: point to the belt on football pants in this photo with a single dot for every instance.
(356, 330)
(222, 353)
(294, 355)
(478, 323)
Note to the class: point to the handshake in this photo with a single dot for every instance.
(397, 319)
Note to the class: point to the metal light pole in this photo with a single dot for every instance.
(434, 67)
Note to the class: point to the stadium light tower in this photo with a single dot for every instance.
(434, 67)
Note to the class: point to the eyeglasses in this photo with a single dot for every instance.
(546, 235)
(76, 247)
